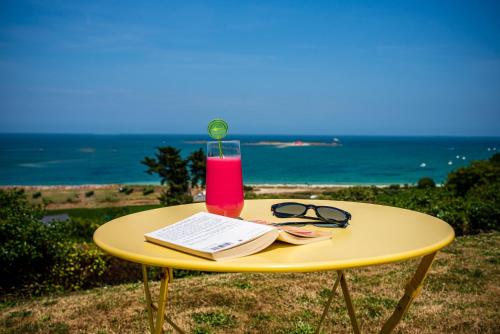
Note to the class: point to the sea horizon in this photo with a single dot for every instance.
(230, 135)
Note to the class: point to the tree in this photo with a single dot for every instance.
(426, 182)
(197, 162)
(172, 170)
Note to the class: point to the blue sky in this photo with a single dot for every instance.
(296, 67)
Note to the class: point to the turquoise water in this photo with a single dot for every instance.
(35, 159)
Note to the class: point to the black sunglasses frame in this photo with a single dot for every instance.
(326, 222)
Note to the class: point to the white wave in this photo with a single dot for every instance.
(45, 164)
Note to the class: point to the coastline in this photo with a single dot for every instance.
(157, 184)
(58, 197)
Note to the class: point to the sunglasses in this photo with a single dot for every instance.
(327, 215)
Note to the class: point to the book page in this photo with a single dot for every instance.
(210, 233)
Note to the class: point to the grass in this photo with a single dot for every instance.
(62, 197)
(461, 295)
(103, 214)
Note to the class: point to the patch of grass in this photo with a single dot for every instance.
(133, 286)
(201, 330)
(45, 318)
(259, 319)
(325, 293)
(110, 199)
(24, 328)
(59, 328)
(103, 214)
(244, 285)
(299, 327)
(214, 319)
(20, 314)
(374, 307)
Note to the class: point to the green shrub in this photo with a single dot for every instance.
(426, 182)
(77, 266)
(89, 193)
(25, 243)
(478, 173)
(355, 194)
(74, 229)
(483, 208)
(72, 199)
(36, 195)
(148, 191)
(126, 190)
(495, 159)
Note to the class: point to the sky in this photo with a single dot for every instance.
(266, 67)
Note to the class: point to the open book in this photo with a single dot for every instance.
(218, 238)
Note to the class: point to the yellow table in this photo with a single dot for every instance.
(376, 235)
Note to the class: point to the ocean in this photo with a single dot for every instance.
(63, 159)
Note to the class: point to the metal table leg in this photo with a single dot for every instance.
(156, 327)
(412, 290)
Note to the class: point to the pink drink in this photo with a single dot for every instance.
(224, 186)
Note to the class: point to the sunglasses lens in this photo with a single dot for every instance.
(331, 213)
(291, 209)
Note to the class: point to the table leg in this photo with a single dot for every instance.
(348, 301)
(162, 302)
(157, 327)
(149, 302)
(327, 307)
(347, 297)
(412, 290)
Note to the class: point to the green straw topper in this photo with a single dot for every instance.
(217, 129)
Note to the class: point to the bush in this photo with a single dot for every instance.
(89, 193)
(355, 194)
(483, 208)
(77, 266)
(426, 182)
(126, 190)
(479, 173)
(36, 195)
(36, 258)
(25, 243)
(148, 191)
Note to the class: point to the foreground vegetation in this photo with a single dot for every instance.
(460, 295)
(38, 258)
(42, 263)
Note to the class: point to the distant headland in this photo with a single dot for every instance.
(281, 144)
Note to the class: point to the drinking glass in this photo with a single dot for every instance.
(224, 192)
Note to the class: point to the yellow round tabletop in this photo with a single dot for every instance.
(377, 234)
